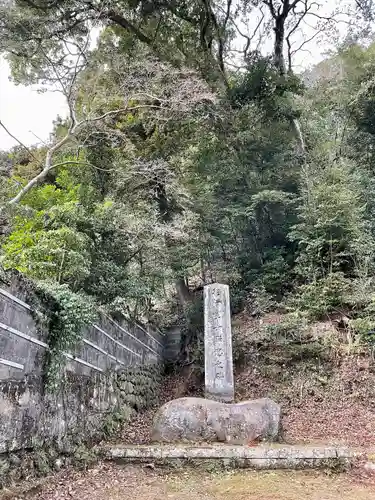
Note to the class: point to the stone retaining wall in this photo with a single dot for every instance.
(113, 373)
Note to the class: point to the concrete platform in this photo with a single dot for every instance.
(258, 457)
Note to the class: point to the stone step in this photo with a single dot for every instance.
(257, 457)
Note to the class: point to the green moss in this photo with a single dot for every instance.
(114, 421)
(84, 456)
(42, 462)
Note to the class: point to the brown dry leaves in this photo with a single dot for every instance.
(339, 410)
(116, 482)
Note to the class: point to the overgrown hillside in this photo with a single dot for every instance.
(324, 380)
(185, 160)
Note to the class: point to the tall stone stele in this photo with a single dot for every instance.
(219, 381)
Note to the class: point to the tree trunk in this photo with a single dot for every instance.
(166, 215)
(183, 291)
(279, 61)
(278, 51)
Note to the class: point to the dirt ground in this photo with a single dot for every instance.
(119, 482)
(339, 413)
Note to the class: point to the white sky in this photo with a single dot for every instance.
(23, 110)
(28, 114)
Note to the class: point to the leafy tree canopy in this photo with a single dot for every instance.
(193, 153)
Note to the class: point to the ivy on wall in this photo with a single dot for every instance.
(61, 312)
(68, 313)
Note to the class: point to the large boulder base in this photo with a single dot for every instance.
(204, 420)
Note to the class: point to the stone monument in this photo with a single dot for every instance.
(219, 381)
(213, 419)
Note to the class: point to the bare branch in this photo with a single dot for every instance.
(17, 140)
(42, 175)
(294, 29)
(248, 38)
(115, 113)
(306, 41)
(72, 132)
(37, 137)
(271, 6)
(118, 19)
(301, 17)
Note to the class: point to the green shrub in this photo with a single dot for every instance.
(293, 326)
(322, 296)
(364, 328)
(259, 301)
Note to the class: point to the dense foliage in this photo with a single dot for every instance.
(178, 170)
